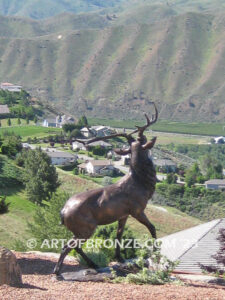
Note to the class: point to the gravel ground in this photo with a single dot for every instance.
(38, 283)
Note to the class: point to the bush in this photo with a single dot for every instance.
(4, 207)
(101, 255)
(158, 273)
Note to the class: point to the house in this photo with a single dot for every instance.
(215, 184)
(194, 247)
(101, 144)
(58, 121)
(100, 167)
(50, 122)
(165, 165)
(219, 140)
(6, 86)
(61, 158)
(80, 146)
(87, 132)
(100, 131)
(4, 110)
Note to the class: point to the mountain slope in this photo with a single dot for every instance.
(116, 69)
(39, 9)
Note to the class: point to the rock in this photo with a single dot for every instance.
(10, 272)
(101, 274)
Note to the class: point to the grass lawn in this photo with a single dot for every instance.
(31, 131)
(166, 222)
(13, 225)
(14, 122)
(207, 129)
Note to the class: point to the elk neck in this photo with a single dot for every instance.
(142, 168)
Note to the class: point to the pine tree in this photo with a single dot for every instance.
(41, 178)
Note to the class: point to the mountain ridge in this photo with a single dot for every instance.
(118, 69)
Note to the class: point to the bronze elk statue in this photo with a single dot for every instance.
(83, 212)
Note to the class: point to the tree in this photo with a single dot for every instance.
(27, 120)
(35, 119)
(46, 222)
(11, 145)
(75, 134)
(9, 122)
(18, 121)
(171, 178)
(4, 207)
(82, 122)
(41, 178)
(0, 124)
(106, 181)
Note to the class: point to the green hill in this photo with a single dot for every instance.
(88, 63)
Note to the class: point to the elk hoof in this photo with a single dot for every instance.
(120, 259)
(93, 266)
(56, 271)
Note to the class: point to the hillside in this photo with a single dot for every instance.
(119, 64)
(37, 9)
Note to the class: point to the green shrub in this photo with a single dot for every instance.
(4, 207)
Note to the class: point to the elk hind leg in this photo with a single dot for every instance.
(66, 250)
(142, 218)
(120, 229)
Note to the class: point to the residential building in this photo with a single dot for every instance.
(165, 165)
(61, 158)
(50, 122)
(87, 132)
(194, 247)
(215, 184)
(10, 87)
(4, 110)
(100, 167)
(100, 131)
(219, 140)
(77, 145)
(58, 121)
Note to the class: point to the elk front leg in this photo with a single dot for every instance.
(145, 221)
(121, 225)
(90, 263)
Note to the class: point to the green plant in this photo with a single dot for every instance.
(159, 272)
(4, 207)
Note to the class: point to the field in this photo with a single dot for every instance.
(30, 131)
(205, 129)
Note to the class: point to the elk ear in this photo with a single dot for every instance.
(150, 144)
(122, 151)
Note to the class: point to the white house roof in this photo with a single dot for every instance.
(164, 162)
(100, 143)
(100, 162)
(4, 109)
(60, 154)
(216, 181)
(194, 246)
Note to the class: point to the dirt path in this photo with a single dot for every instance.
(40, 284)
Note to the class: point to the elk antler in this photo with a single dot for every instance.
(129, 138)
(154, 118)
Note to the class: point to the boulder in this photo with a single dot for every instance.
(10, 272)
